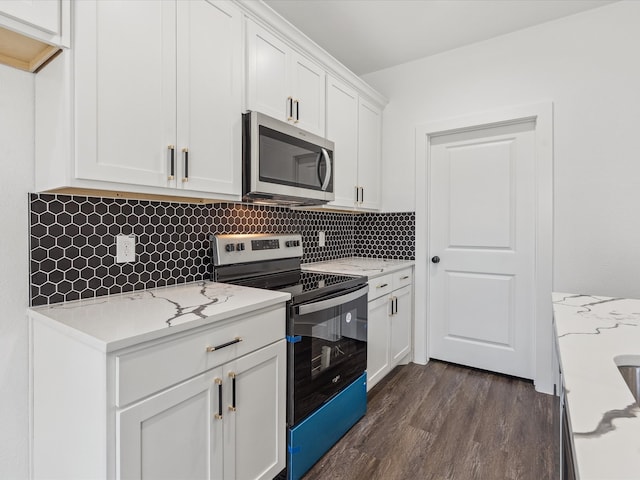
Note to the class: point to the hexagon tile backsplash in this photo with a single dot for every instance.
(73, 243)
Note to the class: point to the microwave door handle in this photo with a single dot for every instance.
(332, 302)
(327, 176)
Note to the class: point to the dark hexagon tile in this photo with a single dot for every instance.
(172, 239)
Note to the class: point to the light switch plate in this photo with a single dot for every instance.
(125, 248)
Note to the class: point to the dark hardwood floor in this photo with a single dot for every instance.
(442, 421)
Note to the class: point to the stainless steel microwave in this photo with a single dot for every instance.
(283, 164)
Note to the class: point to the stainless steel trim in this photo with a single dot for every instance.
(332, 302)
(327, 177)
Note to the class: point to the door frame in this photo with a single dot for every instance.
(542, 114)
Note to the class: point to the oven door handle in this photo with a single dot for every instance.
(332, 302)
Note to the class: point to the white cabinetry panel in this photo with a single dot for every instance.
(401, 324)
(254, 434)
(219, 419)
(209, 96)
(267, 82)
(174, 434)
(126, 90)
(390, 321)
(282, 83)
(369, 154)
(42, 14)
(308, 86)
(142, 96)
(342, 130)
(355, 126)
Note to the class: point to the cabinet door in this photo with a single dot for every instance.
(209, 96)
(369, 154)
(125, 65)
(173, 434)
(254, 438)
(268, 89)
(308, 85)
(342, 129)
(43, 15)
(377, 340)
(401, 325)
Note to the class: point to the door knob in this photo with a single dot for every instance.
(435, 259)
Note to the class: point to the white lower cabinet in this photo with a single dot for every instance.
(390, 320)
(206, 403)
(173, 434)
(378, 340)
(226, 423)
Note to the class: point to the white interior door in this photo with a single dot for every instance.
(482, 229)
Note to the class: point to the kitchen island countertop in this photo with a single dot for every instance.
(369, 267)
(595, 334)
(112, 322)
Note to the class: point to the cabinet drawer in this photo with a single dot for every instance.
(402, 278)
(144, 371)
(379, 286)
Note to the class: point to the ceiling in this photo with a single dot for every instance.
(370, 35)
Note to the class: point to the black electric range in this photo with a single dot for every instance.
(326, 334)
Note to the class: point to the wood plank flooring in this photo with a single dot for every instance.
(446, 422)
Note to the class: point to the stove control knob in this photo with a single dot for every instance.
(288, 243)
(240, 247)
(297, 243)
(230, 247)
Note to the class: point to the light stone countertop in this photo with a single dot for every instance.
(595, 334)
(369, 267)
(117, 321)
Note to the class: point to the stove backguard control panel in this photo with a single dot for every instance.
(244, 248)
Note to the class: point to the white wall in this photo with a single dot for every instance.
(16, 164)
(588, 65)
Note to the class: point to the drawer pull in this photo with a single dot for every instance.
(232, 376)
(218, 347)
(383, 285)
(404, 278)
(218, 416)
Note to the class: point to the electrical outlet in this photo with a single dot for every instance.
(321, 239)
(125, 248)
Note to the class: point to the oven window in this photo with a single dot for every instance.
(335, 340)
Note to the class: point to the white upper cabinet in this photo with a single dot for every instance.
(354, 125)
(342, 129)
(125, 90)
(209, 96)
(282, 83)
(42, 14)
(369, 155)
(155, 94)
(31, 31)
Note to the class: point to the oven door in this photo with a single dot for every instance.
(327, 349)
